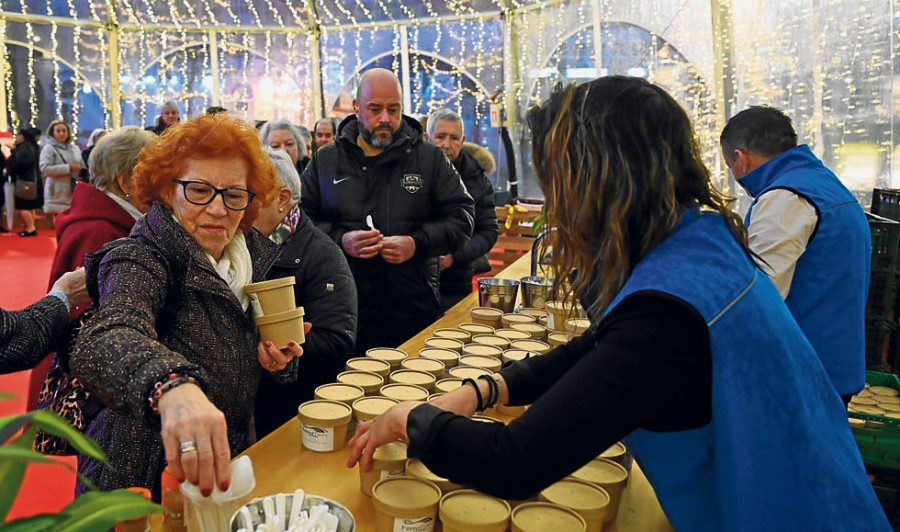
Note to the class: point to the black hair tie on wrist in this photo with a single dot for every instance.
(480, 407)
(493, 391)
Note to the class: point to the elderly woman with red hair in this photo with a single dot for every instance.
(173, 353)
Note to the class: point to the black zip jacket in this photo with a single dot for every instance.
(325, 289)
(409, 189)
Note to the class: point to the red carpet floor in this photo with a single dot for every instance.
(24, 270)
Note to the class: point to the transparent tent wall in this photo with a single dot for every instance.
(831, 67)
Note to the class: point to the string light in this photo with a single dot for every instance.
(8, 79)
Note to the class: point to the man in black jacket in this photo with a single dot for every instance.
(394, 203)
(445, 129)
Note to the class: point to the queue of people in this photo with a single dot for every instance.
(692, 355)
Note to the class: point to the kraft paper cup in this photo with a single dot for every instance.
(410, 376)
(405, 503)
(619, 454)
(532, 311)
(447, 385)
(545, 517)
(415, 468)
(483, 350)
(381, 367)
(271, 297)
(487, 316)
(468, 372)
(340, 392)
(456, 334)
(536, 346)
(448, 356)
(589, 501)
(477, 328)
(514, 354)
(479, 361)
(428, 365)
(369, 408)
(324, 425)
(389, 354)
(512, 334)
(444, 343)
(575, 327)
(508, 319)
(388, 461)
(404, 392)
(608, 475)
(535, 330)
(491, 339)
(368, 381)
(471, 511)
(556, 338)
(282, 328)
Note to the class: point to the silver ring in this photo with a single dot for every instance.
(188, 447)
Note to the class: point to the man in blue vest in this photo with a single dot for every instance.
(810, 235)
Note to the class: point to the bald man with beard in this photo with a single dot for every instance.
(379, 168)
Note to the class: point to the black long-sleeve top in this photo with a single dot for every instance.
(27, 335)
(647, 365)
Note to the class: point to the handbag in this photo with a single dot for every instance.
(64, 394)
(26, 190)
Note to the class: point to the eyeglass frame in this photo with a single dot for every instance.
(218, 192)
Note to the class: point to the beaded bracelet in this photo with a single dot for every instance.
(161, 387)
(493, 391)
(480, 407)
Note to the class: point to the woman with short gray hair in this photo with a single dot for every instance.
(323, 286)
(283, 135)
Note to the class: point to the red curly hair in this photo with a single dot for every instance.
(200, 138)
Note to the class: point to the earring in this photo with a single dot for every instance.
(128, 196)
(280, 209)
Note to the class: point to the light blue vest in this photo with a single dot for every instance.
(831, 283)
(778, 454)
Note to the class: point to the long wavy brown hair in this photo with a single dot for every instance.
(619, 164)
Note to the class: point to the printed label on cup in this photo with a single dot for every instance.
(425, 524)
(257, 308)
(550, 322)
(395, 473)
(318, 438)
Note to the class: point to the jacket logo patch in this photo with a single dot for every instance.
(411, 182)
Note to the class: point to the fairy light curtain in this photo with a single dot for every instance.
(832, 65)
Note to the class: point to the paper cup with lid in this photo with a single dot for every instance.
(535, 330)
(447, 385)
(381, 367)
(468, 372)
(323, 425)
(556, 338)
(369, 408)
(415, 468)
(448, 356)
(588, 500)
(405, 504)
(537, 346)
(512, 334)
(515, 355)
(483, 350)
(338, 391)
(619, 454)
(389, 354)
(388, 460)
(370, 382)
(428, 365)
(608, 475)
(472, 511)
(404, 392)
(487, 316)
(456, 334)
(575, 327)
(513, 317)
(281, 328)
(410, 376)
(538, 313)
(271, 297)
(444, 343)
(545, 517)
(491, 339)
(481, 361)
(477, 328)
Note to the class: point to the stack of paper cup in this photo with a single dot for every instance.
(274, 311)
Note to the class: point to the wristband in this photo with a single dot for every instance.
(480, 407)
(161, 387)
(62, 296)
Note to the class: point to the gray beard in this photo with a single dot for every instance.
(375, 141)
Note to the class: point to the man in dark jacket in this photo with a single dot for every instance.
(445, 129)
(394, 203)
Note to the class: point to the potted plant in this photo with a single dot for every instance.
(94, 510)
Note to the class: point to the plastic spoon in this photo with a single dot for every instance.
(369, 222)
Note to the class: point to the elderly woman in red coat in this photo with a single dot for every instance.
(101, 212)
(173, 352)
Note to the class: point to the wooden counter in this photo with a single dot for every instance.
(282, 465)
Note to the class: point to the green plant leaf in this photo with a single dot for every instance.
(30, 524)
(51, 423)
(10, 426)
(97, 510)
(12, 471)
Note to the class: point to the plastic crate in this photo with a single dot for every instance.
(886, 203)
(878, 334)
(879, 446)
(885, 246)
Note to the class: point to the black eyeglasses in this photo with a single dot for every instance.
(200, 193)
